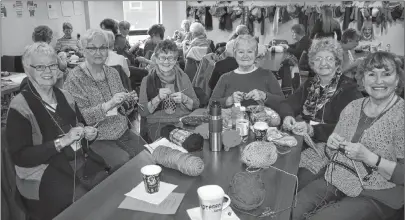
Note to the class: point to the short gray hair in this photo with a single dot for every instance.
(124, 24)
(35, 49)
(246, 38)
(110, 39)
(197, 29)
(184, 22)
(90, 34)
(325, 44)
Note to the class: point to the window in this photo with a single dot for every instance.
(135, 5)
(141, 15)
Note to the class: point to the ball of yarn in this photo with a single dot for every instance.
(186, 139)
(259, 154)
(174, 159)
(247, 191)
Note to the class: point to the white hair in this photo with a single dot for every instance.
(90, 35)
(110, 39)
(183, 24)
(37, 49)
(246, 39)
(197, 29)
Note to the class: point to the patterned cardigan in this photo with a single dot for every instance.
(89, 97)
(385, 138)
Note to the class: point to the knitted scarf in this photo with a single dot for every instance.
(315, 100)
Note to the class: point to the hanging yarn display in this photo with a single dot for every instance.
(169, 105)
(247, 191)
(174, 159)
(186, 139)
(259, 154)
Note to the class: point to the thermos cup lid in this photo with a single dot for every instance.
(215, 108)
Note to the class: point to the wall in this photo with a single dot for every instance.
(17, 32)
(98, 10)
(172, 13)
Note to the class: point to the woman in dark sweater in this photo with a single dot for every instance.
(247, 84)
(326, 26)
(320, 100)
(48, 140)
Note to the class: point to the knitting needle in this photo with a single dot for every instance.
(358, 174)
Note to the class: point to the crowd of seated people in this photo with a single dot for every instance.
(352, 108)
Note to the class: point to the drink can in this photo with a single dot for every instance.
(243, 126)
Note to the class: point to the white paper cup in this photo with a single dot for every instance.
(151, 178)
(260, 128)
(212, 201)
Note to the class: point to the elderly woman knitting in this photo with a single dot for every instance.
(248, 84)
(103, 100)
(365, 154)
(318, 103)
(166, 93)
(48, 139)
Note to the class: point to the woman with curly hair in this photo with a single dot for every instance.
(318, 102)
(364, 157)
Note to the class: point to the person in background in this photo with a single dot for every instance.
(183, 34)
(368, 41)
(122, 46)
(109, 24)
(199, 39)
(248, 84)
(100, 94)
(43, 33)
(47, 136)
(156, 33)
(67, 43)
(226, 65)
(302, 41)
(320, 100)
(364, 158)
(326, 26)
(166, 81)
(239, 30)
(114, 59)
(350, 40)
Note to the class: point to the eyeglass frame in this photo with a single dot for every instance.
(167, 58)
(45, 66)
(326, 59)
(95, 49)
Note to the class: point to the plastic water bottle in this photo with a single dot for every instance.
(215, 126)
(242, 123)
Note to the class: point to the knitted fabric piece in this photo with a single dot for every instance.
(174, 159)
(186, 139)
(259, 154)
(247, 191)
(385, 138)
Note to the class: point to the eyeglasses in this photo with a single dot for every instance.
(327, 59)
(42, 68)
(170, 58)
(93, 50)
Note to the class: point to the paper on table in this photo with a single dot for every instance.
(169, 206)
(227, 214)
(140, 193)
(163, 141)
(16, 78)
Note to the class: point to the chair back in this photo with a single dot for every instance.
(8, 63)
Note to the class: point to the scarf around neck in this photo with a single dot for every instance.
(315, 100)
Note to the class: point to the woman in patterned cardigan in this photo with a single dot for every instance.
(100, 94)
(364, 157)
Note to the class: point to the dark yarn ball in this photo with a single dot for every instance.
(192, 143)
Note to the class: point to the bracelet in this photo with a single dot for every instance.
(378, 161)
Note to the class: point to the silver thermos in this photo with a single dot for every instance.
(215, 126)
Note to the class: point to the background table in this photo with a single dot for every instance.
(102, 202)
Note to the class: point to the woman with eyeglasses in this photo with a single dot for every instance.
(104, 102)
(364, 158)
(166, 93)
(319, 101)
(48, 140)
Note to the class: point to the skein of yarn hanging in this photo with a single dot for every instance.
(186, 139)
(259, 154)
(247, 191)
(174, 159)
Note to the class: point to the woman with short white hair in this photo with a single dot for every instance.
(49, 141)
(104, 101)
(199, 36)
(248, 84)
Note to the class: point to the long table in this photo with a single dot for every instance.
(102, 202)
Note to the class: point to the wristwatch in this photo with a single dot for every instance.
(378, 163)
(58, 145)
